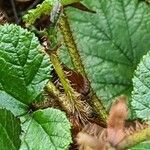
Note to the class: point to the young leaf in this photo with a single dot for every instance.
(24, 69)
(47, 129)
(141, 90)
(44, 9)
(111, 43)
(10, 131)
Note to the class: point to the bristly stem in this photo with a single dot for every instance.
(77, 62)
(65, 82)
(99, 108)
(70, 44)
(63, 102)
(74, 104)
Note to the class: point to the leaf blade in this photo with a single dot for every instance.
(24, 67)
(49, 129)
(10, 130)
(110, 43)
(141, 90)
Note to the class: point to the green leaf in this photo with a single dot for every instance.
(47, 129)
(10, 131)
(24, 68)
(141, 90)
(111, 43)
(142, 146)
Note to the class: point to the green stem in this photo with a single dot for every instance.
(70, 44)
(76, 59)
(99, 108)
(65, 83)
(134, 139)
(72, 99)
(63, 102)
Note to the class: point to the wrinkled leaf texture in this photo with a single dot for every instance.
(10, 131)
(48, 129)
(24, 68)
(111, 43)
(141, 89)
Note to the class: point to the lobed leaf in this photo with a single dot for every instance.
(24, 68)
(111, 43)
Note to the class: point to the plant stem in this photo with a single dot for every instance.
(70, 44)
(134, 139)
(76, 59)
(75, 106)
(64, 102)
(99, 108)
(66, 85)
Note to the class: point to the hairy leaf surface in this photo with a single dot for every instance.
(24, 69)
(47, 129)
(111, 43)
(10, 131)
(141, 90)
